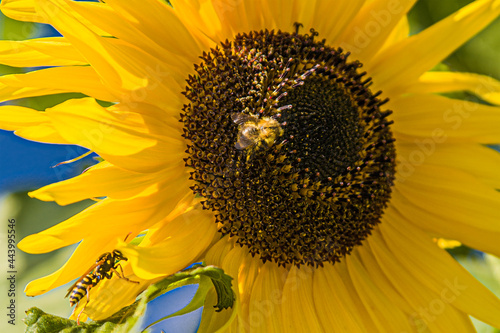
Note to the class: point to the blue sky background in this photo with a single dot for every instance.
(27, 165)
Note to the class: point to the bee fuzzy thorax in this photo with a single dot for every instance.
(256, 133)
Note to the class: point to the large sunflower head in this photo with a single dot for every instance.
(301, 146)
(288, 146)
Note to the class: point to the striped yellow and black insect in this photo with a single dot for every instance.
(104, 267)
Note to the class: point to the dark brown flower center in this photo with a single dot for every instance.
(288, 146)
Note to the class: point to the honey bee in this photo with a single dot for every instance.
(256, 133)
(103, 268)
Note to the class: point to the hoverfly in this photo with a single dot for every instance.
(104, 267)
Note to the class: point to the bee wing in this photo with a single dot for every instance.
(240, 118)
(244, 142)
(81, 278)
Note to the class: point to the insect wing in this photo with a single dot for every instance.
(241, 118)
(81, 277)
(244, 142)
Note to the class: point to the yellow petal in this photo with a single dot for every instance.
(220, 250)
(438, 271)
(41, 133)
(386, 315)
(103, 180)
(266, 300)
(14, 117)
(160, 22)
(236, 17)
(406, 61)
(336, 303)
(133, 73)
(478, 238)
(49, 51)
(29, 124)
(222, 321)
(120, 65)
(452, 195)
(477, 160)
(368, 31)
(379, 278)
(231, 258)
(432, 312)
(114, 218)
(129, 140)
(161, 230)
(483, 86)
(202, 21)
(340, 14)
(134, 30)
(29, 11)
(22, 10)
(401, 31)
(443, 119)
(298, 304)
(282, 15)
(249, 268)
(188, 235)
(53, 80)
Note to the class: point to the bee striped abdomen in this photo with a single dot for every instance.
(80, 289)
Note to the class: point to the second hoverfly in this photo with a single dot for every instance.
(104, 267)
(256, 133)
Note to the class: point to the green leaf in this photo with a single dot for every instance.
(220, 280)
(222, 284)
(40, 322)
(197, 301)
(202, 275)
(125, 320)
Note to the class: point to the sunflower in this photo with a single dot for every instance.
(304, 147)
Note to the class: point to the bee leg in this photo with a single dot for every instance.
(122, 276)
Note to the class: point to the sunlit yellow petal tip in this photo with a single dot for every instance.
(32, 289)
(39, 52)
(22, 10)
(16, 117)
(447, 243)
(41, 243)
(395, 67)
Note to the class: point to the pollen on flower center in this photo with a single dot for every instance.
(288, 146)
